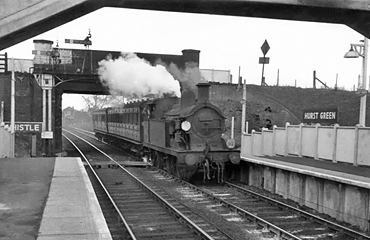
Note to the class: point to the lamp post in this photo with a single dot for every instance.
(356, 51)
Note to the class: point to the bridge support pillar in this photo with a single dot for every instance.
(58, 143)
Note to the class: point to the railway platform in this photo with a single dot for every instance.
(339, 190)
(339, 172)
(48, 198)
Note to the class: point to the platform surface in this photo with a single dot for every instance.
(340, 172)
(72, 210)
(24, 187)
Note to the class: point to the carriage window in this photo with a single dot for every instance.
(134, 120)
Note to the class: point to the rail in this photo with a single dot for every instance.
(122, 218)
(190, 223)
(313, 217)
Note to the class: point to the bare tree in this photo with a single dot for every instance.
(94, 102)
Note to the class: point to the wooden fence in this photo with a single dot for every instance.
(335, 143)
(5, 141)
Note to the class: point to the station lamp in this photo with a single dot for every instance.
(360, 50)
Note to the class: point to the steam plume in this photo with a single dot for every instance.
(132, 76)
(188, 77)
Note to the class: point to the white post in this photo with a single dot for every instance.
(355, 154)
(335, 130)
(243, 108)
(317, 129)
(362, 120)
(49, 112)
(300, 139)
(232, 127)
(274, 140)
(43, 110)
(12, 112)
(286, 138)
(2, 113)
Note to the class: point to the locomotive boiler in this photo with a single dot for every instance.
(182, 136)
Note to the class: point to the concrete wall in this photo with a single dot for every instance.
(343, 202)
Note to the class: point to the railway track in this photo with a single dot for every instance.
(244, 209)
(143, 211)
(283, 220)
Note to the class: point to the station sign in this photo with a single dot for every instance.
(75, 41)
(264, 60)
(27, 127)
(328, 115)
(265, 47)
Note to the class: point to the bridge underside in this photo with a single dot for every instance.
(27, 19)
(81, 85)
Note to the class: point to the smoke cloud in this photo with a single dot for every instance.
(188, 77)
(134, 77)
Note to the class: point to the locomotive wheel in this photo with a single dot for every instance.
(185, 172)
(171, 166)
(158, 160)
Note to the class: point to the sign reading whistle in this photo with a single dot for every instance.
(33, 127)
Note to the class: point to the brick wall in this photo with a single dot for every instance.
(28, 106)
(28, 97)
(268, 106)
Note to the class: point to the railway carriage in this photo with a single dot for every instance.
(100, 123)
(182, 136)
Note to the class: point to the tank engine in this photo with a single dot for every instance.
(182, 137)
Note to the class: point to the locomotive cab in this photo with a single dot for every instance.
(197, 130)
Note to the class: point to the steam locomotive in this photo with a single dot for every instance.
(181, 136)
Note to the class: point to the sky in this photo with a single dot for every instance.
(225, 43)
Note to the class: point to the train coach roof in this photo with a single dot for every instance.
(135, 104)
(102, 110)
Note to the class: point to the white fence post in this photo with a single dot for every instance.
(300, 139)
(274, 140)
(2, 134)
(316, 154)
(355, 155)
(286, 139)
(11, 147)
(6, 141)
(262, 140)
(335, 129)
(252, 135)
(350, 144)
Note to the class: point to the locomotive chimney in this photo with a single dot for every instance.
(190, 56)
(203, 92)
(187, 98)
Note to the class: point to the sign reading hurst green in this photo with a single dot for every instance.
(329, 115)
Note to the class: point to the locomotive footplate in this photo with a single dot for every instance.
(185, 163)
